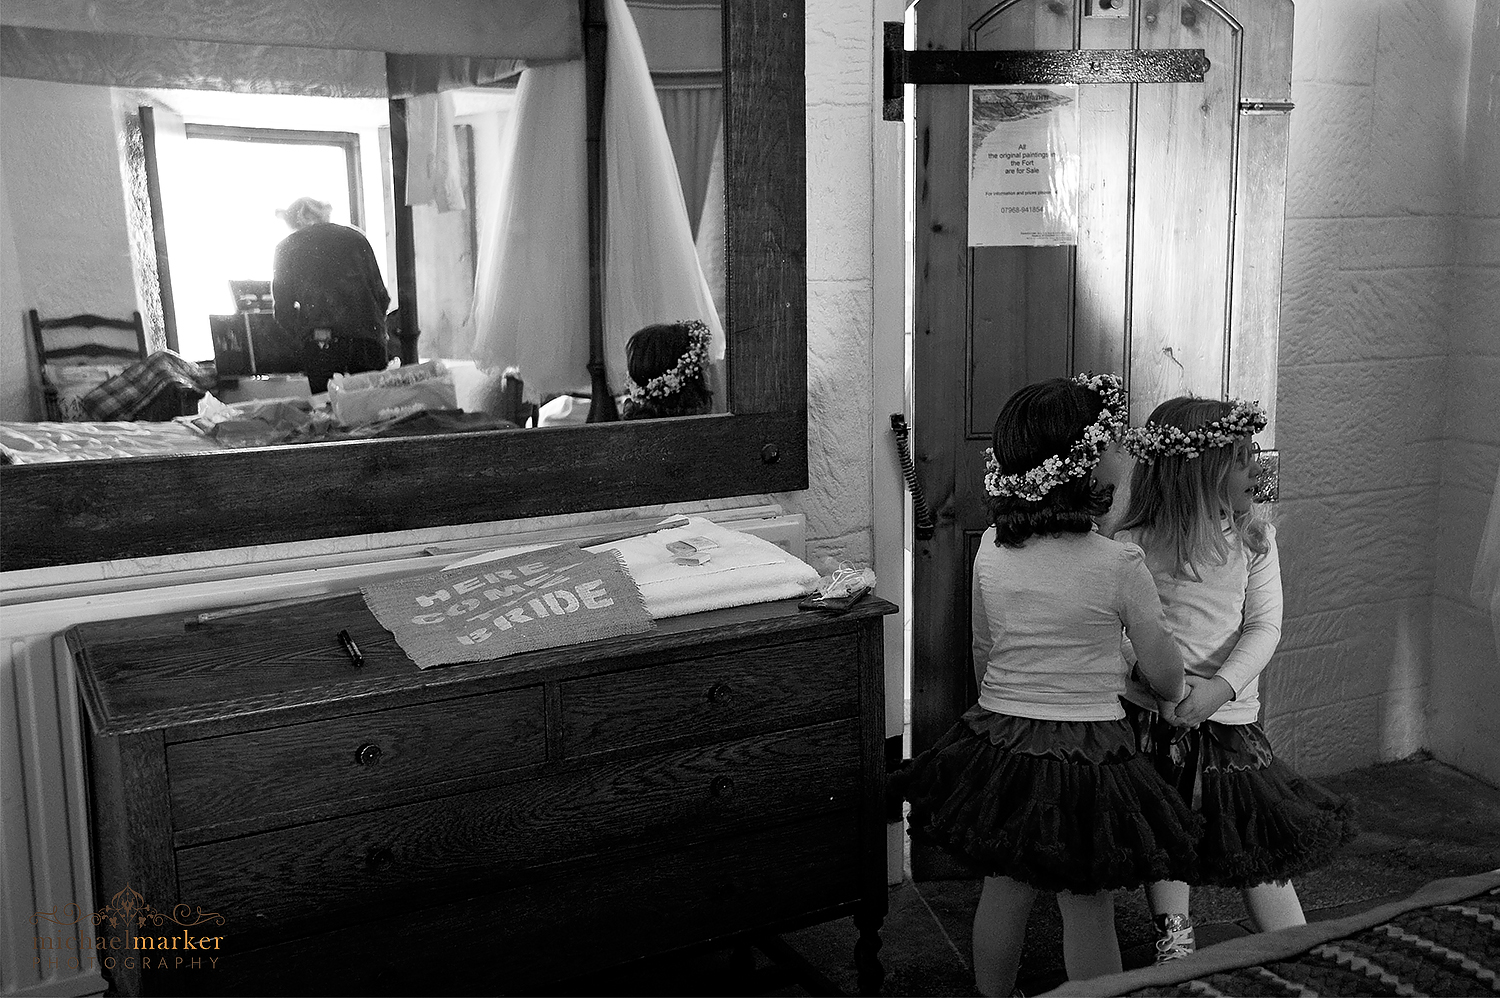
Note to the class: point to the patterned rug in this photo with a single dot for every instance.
(1444, 940)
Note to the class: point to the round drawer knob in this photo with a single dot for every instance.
(720, 694)
(720, 786)
(379, 858)
(368, 755)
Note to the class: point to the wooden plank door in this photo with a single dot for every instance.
(1174, 282)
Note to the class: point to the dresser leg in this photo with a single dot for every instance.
(866, 951)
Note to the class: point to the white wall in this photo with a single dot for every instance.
(18, 397)
(840, 215)
(1464, 720)
(1375, 174)
(64, 214)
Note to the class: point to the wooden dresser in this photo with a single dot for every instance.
(481, 827)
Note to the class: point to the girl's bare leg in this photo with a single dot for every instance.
(999, 930)
(1090, 947)
(1169, 916)
(1273, 906)
(1168, 897)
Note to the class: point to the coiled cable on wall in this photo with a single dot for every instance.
(923, 526)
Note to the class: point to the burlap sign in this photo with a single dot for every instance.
(556, 596)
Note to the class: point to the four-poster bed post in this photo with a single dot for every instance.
(406, 246)
(602, 407)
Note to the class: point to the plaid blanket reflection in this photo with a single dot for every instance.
(133, 389)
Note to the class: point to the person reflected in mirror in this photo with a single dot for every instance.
(327, 289)
(667, 365)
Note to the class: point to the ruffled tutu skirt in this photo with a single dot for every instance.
(1059, 805)
(1262, 822)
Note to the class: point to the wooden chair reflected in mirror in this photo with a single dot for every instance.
(76, 353)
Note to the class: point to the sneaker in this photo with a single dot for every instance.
(1174, 937)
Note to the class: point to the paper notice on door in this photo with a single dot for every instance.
(1023, 166)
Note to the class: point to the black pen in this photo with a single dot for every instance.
(353, 649)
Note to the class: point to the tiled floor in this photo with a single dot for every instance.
(1421, 821)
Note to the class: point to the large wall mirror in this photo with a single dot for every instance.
(755, 440)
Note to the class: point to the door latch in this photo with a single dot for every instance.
(922, 528)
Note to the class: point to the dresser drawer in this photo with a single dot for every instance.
(543, 930)
(219, 780)
(486, 839)
(767, 686)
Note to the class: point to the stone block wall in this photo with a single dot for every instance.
(1375, 177)
(1464, 722)
(840, 280)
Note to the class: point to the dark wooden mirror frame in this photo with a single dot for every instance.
(76, 512)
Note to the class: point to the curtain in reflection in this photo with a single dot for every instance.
(135, 61)
(532, 293)
(119, 60)
(432, 167)
(531, 302)
(409, 75)
(532, 30)
(651, 265)
(711, 226)
(691, 115)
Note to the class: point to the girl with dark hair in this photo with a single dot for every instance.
(1191, 509)
(1040, 784)
(667, 365)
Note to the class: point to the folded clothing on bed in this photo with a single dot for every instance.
(260, 422)
(71, 382)
(128, 393)
(740, 568)
(381, 396)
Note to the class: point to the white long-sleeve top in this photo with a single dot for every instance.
(1227, 625)
(1046, 625)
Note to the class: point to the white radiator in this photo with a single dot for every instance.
(43, 821)
(44, 829)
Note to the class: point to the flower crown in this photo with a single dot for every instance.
(670, 382)
(1158, 440)
(1081, 457)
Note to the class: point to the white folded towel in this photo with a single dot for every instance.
(741, 569)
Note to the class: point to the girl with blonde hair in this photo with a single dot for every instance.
(1215, 563)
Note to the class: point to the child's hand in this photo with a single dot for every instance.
(1167, 711)
(1204, 698)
